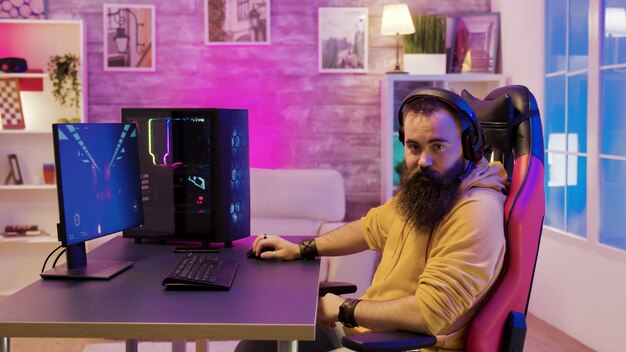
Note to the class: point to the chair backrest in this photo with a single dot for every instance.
(510, 119)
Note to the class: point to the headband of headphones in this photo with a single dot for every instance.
(471, 135)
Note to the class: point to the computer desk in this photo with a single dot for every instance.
(267, 301)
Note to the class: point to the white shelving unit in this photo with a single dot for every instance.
(26, 187)
(395, 87)
(23, 75)
(34, 203)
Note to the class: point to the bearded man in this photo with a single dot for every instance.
(441, 237)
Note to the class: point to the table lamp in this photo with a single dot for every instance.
(396, 21)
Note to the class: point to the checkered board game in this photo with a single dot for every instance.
(11, 104)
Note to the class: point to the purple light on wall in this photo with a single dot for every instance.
(269, 147)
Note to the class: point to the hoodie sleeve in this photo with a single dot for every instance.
(376, 224)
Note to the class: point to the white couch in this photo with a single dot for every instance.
(307, 202)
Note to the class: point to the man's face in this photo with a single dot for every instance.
(432, 142)
(429, 184)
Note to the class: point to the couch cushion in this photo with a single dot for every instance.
(297, 193)
(284, 226)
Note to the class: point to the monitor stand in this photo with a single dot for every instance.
(78, 268)
(98, 270)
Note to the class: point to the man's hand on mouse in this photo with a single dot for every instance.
(282, 249)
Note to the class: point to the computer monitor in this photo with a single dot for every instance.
(195, 175)
(98, 184)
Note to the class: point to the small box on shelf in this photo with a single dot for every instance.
(11, 230)
(31, 83)
(22, 231)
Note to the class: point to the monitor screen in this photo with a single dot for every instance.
(98, 183)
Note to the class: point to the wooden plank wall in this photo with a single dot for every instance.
(299, 118)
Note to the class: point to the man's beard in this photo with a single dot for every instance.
(425, 197)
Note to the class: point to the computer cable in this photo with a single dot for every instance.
(48, 257)
(58, 256)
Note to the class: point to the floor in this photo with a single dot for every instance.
(540, 337)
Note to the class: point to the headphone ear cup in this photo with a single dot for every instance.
(401, 134)
(472, 146)
(466, 144)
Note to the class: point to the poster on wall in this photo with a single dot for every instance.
(342, 39)
(23, 9)
(128, 37)
(476, 38)
(236, 22)
(11, 104)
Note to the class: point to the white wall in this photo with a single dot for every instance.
(521, 43)
(579, 287)
(581, 291)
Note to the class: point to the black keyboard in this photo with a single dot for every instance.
(202, 271)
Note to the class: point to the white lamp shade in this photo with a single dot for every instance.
(615, 22)
(396, 20)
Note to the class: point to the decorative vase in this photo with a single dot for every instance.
(425, 64)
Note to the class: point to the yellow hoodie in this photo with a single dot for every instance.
(449, 271)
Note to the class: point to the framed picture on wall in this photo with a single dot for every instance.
(342, 39)
(129, 38)
(11, 104)
(16, 173)
(237, 22)
(32, 9)
(476, 37)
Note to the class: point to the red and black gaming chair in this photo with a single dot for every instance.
(510, 119)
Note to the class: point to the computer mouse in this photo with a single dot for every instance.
(252, 254)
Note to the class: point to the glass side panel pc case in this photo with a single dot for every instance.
(195, 174)
(99, 192)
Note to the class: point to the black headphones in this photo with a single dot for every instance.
(471, 136)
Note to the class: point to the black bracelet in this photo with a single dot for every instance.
(308, 249)
(346, 312)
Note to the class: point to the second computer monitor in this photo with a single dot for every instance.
(195, 174)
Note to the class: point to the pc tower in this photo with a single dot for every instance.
(195, 175)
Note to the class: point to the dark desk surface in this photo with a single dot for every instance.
(268, 300)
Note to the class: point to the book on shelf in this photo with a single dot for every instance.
(22, 230)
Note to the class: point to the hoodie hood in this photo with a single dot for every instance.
(486, 175)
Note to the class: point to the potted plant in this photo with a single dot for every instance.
(424, 50)
(64, 75)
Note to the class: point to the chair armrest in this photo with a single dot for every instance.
(336, 287)
(514, 332)
(379, 341)
(391, 341)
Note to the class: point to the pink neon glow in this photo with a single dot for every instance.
(225, 77)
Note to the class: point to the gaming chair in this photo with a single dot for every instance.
(510, 120)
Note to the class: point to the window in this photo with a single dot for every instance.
(570, 151)
(565, 117)
(243, 10)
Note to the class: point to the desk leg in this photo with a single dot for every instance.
(179, 345)
(132, 345)
(202, 345)
(5, 344)
(288, 346)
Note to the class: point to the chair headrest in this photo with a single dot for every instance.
(495, 120)
(510, 119)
